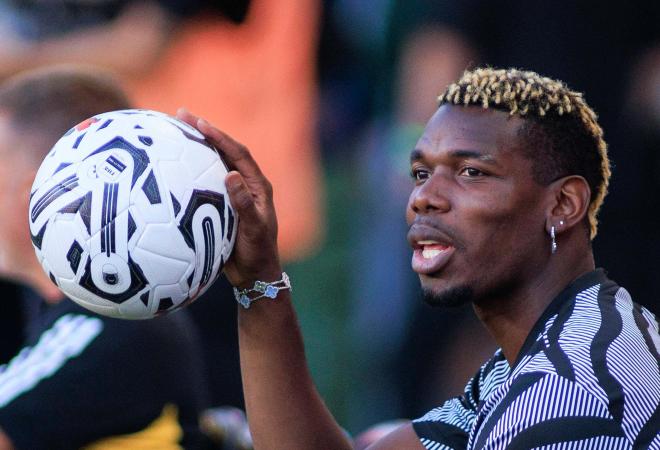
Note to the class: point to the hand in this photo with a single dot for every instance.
(255, 255)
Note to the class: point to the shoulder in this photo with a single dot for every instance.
(536, 409)
(601, 340)
(610, 348)
(68, 337)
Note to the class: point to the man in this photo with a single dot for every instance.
(81, 380)
(508, 179)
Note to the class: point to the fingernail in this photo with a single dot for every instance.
(202, 123)
(233, 183)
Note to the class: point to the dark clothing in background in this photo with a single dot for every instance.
(11, 321)
(83, 377)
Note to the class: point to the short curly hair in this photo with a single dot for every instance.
(557, 120)
(51, 99)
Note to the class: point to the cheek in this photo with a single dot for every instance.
(410, 214)
(496, 223)
(488, 211)
(511, 227)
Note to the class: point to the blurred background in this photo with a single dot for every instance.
(331, 96)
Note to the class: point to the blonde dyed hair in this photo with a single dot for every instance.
(559, 117)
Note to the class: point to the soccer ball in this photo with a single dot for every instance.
(129, 214)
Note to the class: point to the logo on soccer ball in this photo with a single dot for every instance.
(129, 214)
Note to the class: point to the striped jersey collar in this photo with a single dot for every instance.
(581, 283)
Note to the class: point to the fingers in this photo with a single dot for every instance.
(186, 116)
(234, 154)
(241, 198)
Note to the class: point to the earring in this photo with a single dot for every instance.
(553, 245)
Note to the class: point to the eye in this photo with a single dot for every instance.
(419, 174)
(471, 172)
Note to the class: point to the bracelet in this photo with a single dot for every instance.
(263, 289)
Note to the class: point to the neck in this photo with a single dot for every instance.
(510, 319)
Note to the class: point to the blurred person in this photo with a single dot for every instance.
(167, 53)
(102, 33)
(82, 380)
(509, 176)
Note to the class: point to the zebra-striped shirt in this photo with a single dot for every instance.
(588, 377)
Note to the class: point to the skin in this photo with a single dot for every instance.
(474, 199)
(130, 53)
(18, 261)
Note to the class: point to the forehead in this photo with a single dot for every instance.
(455, 127)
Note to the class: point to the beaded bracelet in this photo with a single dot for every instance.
(262, 289)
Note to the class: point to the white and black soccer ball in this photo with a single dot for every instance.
(129, 214)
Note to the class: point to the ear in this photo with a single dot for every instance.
(569, 203)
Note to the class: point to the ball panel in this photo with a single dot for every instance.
(159, 269)
(59, 249)
(156, 234)
(197, 158)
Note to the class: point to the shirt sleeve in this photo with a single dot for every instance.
(448, 426)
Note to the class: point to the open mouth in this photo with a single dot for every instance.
(430, 256)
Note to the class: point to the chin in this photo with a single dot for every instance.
(452, 297)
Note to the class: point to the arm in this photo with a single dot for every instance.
(284, 409)
(115, 45)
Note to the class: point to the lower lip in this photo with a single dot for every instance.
(428, 266)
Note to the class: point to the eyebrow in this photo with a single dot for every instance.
(417, 154)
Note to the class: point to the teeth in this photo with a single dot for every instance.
(430, 253)
(427, 242)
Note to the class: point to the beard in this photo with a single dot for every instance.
(450, 298)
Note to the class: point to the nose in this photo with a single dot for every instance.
(430, 196)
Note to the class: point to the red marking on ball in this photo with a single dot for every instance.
(86, 123)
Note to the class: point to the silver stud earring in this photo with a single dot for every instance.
(553, 246)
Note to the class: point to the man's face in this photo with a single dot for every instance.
(476, 216)
(16, 254)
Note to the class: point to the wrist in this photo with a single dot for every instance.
(266, 274)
